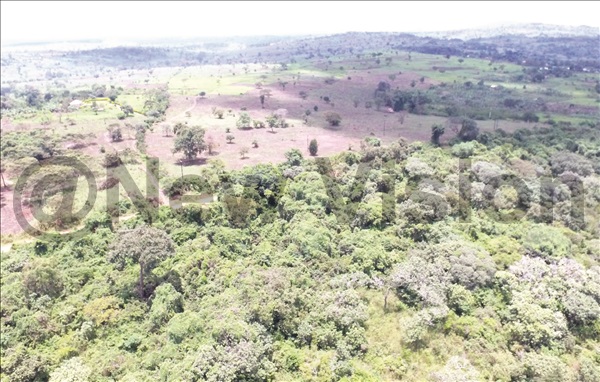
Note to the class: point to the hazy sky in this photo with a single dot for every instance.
(28, 21)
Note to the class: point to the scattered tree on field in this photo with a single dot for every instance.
(190, 141)
(333, 118)
(244, 121)
(114, 131)
(313, 147)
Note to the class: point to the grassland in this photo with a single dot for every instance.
(348, 81)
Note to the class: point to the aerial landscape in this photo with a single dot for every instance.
(380, 196)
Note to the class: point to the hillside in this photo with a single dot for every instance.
(351, 207)
(527, 30)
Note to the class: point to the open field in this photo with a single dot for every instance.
(343, 84)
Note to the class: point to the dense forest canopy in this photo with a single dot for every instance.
(309, 274)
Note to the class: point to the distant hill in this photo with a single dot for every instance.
(529, 30)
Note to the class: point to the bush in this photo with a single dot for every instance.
(464, 149)
(111, 160)
(244, 121)
(460, 299)
(294, 157)
(183, 325)
(313, 147)
(468, 130)
(108, 183)
(566, 161)
(42, 278)
(547, 242)
(333, 118)
(166, 303)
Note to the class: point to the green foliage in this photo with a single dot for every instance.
(464, 149)
(244, 121)
(190, 141)
(546, 242)
(32, 144)
(436, 132)
(145, 246)
(296, 271)
(72, 370)
(468, 130)
(294, 157)
(333, 118)
(182, 326)
(42, 279)
(165, 304)
(111, 160)
(313, 147)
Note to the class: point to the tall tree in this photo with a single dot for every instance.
(146, 246)
(190, 141)
(436, 132)
(313, 147)
(468, 130)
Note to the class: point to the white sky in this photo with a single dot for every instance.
(49, 21)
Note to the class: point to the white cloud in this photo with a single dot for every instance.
(26, 21)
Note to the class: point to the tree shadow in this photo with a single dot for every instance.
(333, 128)
(191, 162)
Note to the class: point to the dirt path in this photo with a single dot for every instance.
(182, 114)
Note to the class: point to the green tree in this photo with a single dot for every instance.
(244, 121)
(140, 138)
(313, 147)
(115, 133)
(272, 120)
(436, 132)
(127, 110)
(71, 370)
(468, 130)
(294, 157)
(333, 118)
(43, 278)
(190, 140)
(146, 246)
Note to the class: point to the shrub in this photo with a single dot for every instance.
(294, 157)
(333, 118)
(183, 325)
(42, 278)
(547, 242)
(108, 183)
(468, 130)
(464, 149)
(166, 303)
(244, 121)
(313, 147)
(111, 160)
(566, 161)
